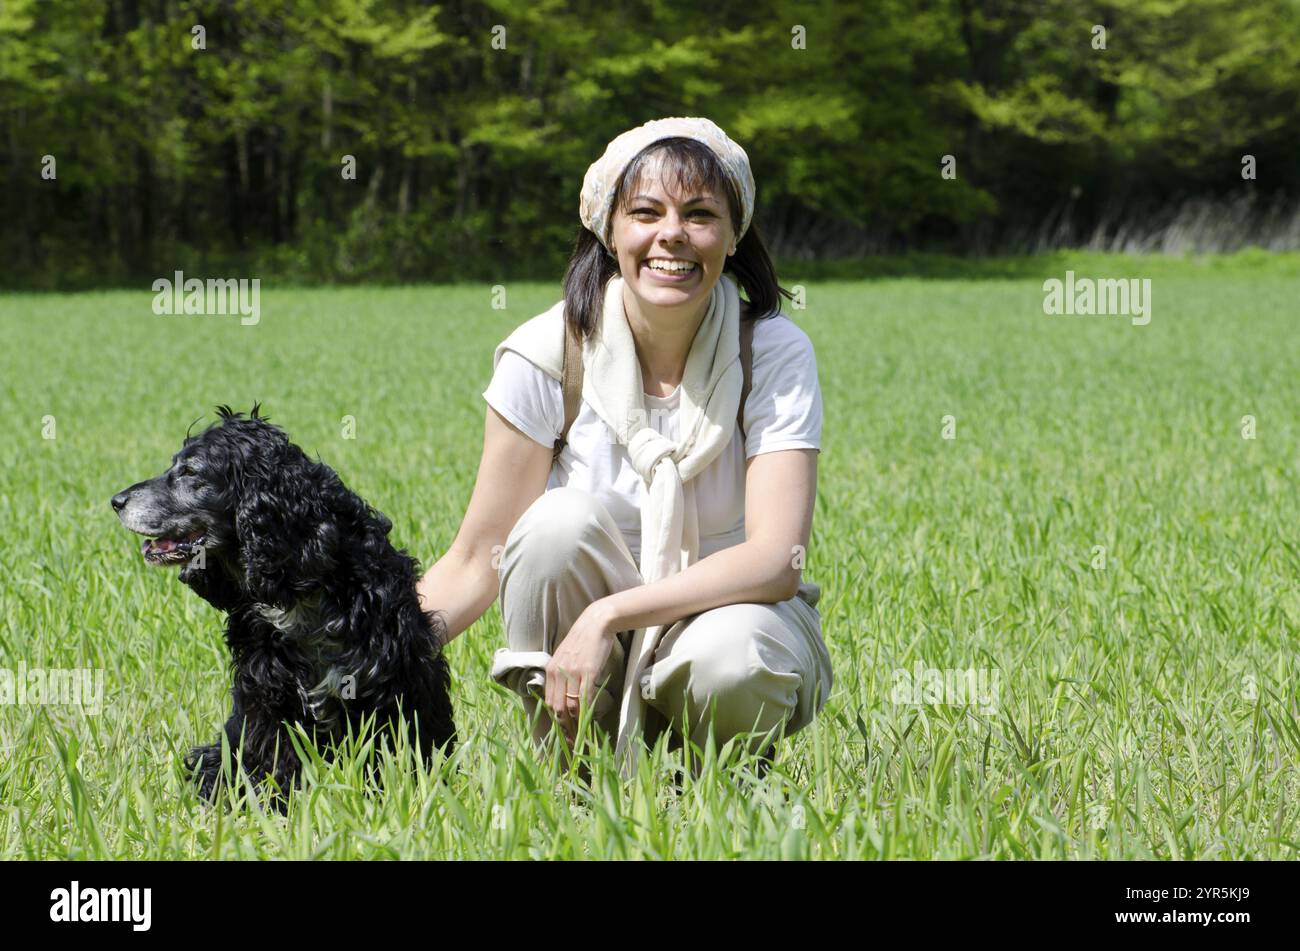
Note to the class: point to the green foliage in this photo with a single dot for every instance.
(477, 120)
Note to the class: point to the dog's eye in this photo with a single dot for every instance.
(185, 470)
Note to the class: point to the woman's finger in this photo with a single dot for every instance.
(561, 698)
(557, 688)
(573, 695)
(553, 689)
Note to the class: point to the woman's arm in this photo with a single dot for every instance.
(780, 488)
(512, 473)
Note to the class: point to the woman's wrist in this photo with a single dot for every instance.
(604, 614)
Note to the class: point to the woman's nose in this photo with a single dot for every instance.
(674, 223)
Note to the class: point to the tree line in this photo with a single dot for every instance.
(349, 140)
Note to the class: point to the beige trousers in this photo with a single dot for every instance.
(736, 668)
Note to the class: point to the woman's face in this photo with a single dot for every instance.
(675, 231)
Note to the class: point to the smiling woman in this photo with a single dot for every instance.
(651, 565)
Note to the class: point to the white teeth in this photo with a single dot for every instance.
(670, 266)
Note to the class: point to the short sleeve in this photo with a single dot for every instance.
(784, 409)
(527, 397)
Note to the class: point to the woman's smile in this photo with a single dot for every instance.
(670, 271)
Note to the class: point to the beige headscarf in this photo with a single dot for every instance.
(596, 204)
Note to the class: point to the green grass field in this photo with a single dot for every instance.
(1145, 709)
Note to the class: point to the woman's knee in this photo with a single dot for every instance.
(739, 676)
(553, 527)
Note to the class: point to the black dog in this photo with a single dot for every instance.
(325, 626)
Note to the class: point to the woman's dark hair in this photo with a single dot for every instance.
(693, 166)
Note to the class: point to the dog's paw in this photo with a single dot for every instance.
(206, 760)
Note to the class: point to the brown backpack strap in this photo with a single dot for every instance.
(571, 382)
(747, 367)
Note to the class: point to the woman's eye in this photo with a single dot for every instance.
(650, 211)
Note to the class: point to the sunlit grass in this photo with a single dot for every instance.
(1146, 709)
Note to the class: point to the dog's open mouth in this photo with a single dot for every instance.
(172, 551)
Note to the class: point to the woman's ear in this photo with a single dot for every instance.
(286, 533)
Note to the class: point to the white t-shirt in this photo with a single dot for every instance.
(783, 411)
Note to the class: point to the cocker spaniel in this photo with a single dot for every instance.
(324, 624)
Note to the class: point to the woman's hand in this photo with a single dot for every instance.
(572, 675)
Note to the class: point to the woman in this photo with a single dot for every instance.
(708, 626)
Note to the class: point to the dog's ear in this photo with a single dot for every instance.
(286, 527)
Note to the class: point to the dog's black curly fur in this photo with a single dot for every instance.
(324, 624)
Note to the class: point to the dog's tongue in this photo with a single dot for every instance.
(159, 544)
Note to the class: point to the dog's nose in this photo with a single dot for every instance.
(119, 501)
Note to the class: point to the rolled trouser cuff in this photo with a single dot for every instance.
(524, 673)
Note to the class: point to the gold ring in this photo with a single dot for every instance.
(574, 696)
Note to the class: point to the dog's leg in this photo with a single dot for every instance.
(214, 764)
(257, 764)
(267, 754)
(211, 778)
